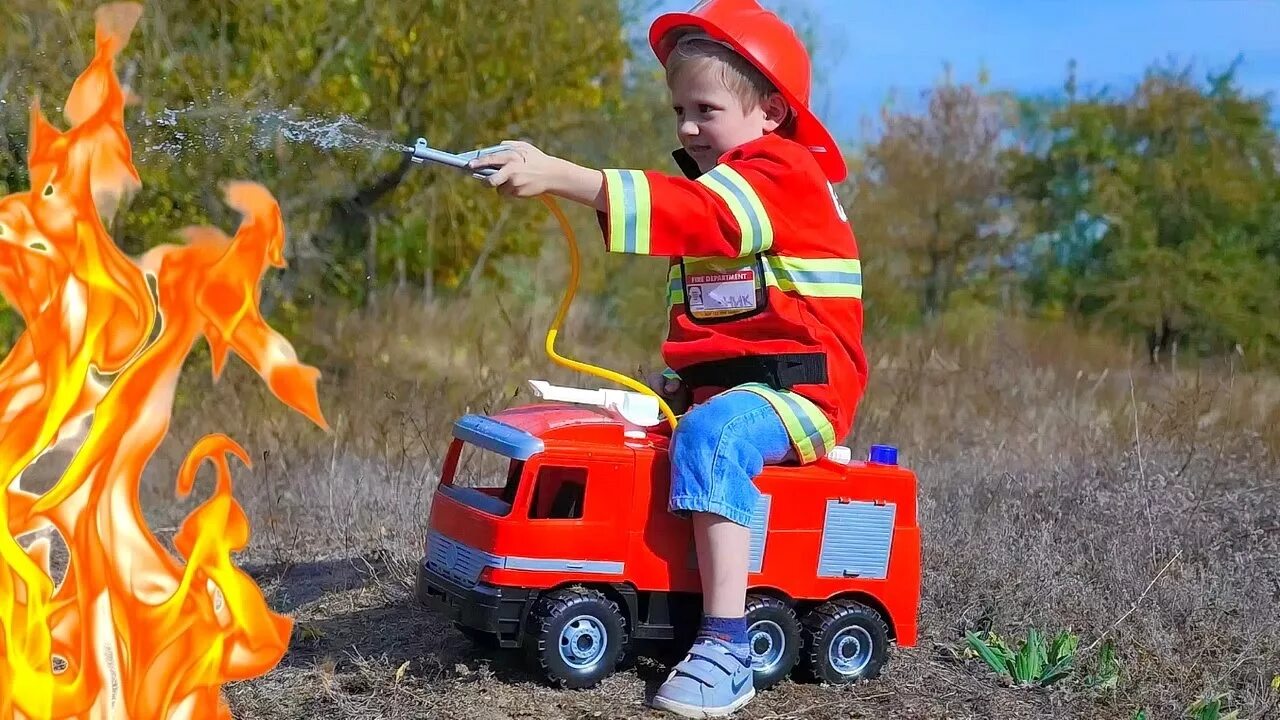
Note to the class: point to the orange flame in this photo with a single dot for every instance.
(130, 631)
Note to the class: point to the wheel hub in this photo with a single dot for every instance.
(582, 642)
(768, 644)
(850, 650)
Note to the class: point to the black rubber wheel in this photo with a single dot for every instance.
(844, 642)
(481, 639)
(576, 637)
(773, 633)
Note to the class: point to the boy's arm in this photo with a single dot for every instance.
(729, 211)
(525, 171)
(580, 184)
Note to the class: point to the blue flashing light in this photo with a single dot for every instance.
(884, 455)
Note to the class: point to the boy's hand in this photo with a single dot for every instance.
(672, 390)
(524, 171)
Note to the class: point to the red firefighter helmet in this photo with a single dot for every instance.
(774, 48)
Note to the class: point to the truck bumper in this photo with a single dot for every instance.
(500, 611)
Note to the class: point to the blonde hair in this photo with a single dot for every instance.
(697, 51)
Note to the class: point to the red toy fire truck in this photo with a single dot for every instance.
(572, 554)
(549, 531)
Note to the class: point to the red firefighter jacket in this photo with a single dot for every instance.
(765, 284)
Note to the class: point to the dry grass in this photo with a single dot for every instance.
(1063, 486)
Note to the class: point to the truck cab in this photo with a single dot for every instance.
(549, 531)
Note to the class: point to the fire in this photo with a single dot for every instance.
(130, 631)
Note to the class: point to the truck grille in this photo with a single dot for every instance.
(457, 561)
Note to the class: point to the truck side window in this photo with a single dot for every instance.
(512, 484)
(558, 493)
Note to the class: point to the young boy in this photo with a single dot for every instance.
(765, 295)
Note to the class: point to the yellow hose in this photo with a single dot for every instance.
(564, 309)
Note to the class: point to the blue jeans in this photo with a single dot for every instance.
(718, 449)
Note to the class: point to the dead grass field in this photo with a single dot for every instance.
(1063, 486)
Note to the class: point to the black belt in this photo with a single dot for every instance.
(780, 371)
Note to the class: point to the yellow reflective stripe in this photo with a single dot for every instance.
(675, 287)
(630, 211)
(810, 277)
(815, 277)
(754, 226)
(811, 433)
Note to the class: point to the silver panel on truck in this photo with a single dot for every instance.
(759, 532)
(856, 537)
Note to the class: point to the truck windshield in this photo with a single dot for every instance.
(484, 479)
(491, 457)
(483, 468)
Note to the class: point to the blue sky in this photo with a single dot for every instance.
(867, 49)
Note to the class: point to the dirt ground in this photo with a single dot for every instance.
(363, 648)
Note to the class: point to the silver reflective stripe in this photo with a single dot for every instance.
(596, 567)
(463, 563)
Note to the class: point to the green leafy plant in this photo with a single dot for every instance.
(1107, 674)
(1036, 662)
(1211, 708)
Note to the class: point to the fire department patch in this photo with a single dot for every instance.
(720, 294)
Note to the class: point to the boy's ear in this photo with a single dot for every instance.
(775, 111)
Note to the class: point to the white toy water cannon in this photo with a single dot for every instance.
(638, 409)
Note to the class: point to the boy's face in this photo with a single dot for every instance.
(711, 120)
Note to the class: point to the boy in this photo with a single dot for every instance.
(765, 295)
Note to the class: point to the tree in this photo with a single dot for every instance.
(261, 88)
(1159, 211)
(930, 192)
